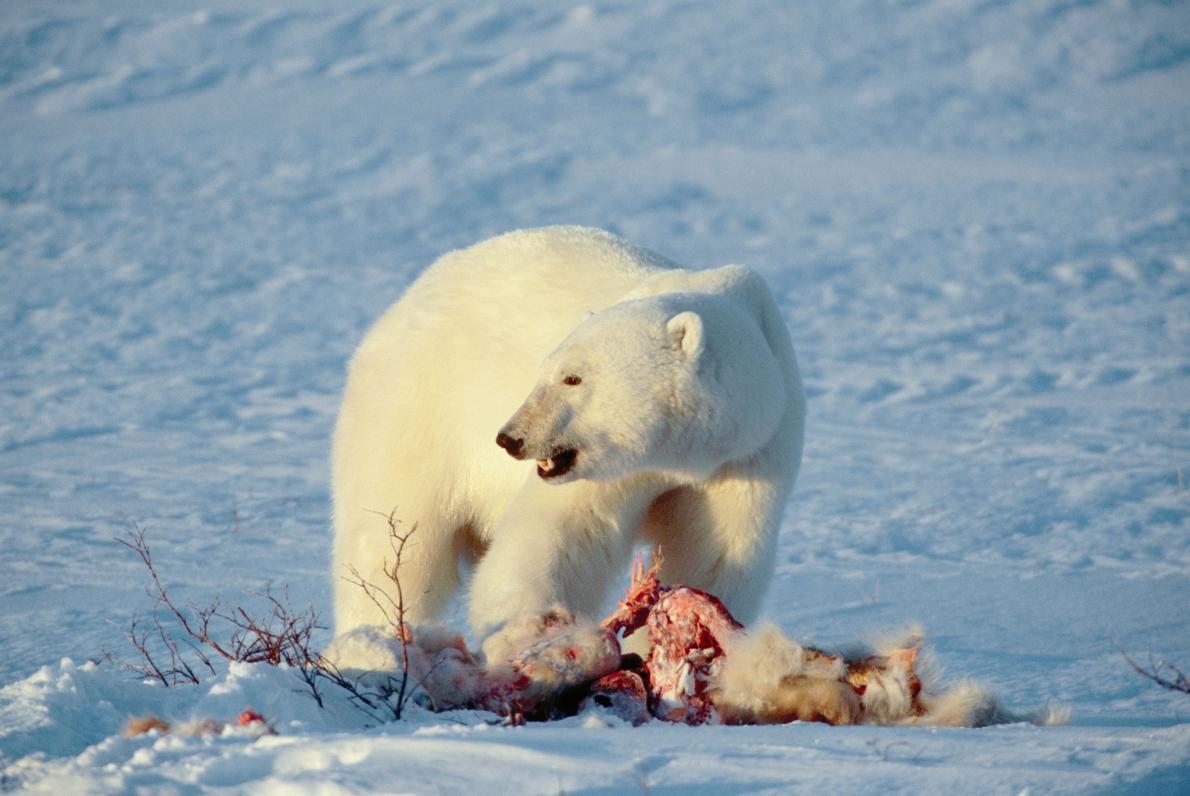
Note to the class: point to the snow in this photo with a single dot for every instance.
(975, 216)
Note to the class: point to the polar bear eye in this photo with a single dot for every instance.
(572, 381)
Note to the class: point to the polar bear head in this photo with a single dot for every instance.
(681, 383)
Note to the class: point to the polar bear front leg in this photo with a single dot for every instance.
(554, 545)
(720, 536)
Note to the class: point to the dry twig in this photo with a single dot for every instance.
(1174, 680)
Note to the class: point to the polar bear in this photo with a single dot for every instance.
(536, 405)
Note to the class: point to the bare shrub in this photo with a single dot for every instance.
(277, 635)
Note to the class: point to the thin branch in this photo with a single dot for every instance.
(396, 612)
(137, 543)
(1175, 681)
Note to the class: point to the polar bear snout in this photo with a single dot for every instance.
(556, 464)
(514, 445)
(555, 459)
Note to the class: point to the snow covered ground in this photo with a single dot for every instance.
(976, 216)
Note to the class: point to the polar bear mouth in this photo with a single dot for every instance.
(559, 463)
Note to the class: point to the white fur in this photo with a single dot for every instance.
(759, 661)
(688, 424)
(765, 677)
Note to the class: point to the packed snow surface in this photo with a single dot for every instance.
(976, 217)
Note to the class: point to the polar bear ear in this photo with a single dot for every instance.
(685, 334)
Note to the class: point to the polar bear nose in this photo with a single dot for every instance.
(510, 444)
